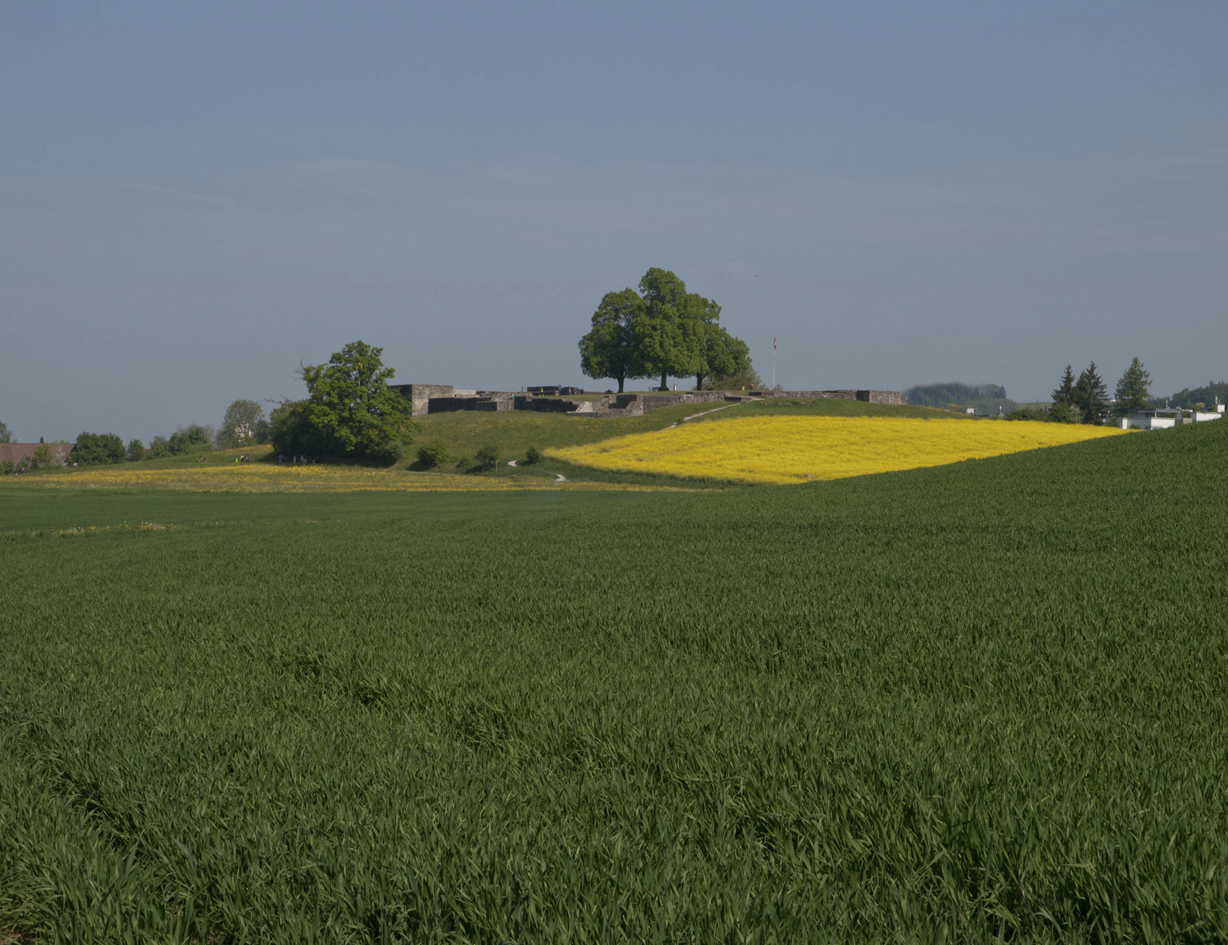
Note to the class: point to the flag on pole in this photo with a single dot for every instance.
(773, 342)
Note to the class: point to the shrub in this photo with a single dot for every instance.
(7, 468)
(193, 438)
(488, 457)
(534, 455)
(136, 449)
(1028, 413)
(463, 461)
(97, 449)
(433, 453)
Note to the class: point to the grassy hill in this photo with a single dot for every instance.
(976, 702)
(516, 431)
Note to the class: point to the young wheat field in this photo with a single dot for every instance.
(971, 703)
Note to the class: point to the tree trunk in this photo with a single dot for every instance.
(699, 381)
(620, 385)
(664, 385)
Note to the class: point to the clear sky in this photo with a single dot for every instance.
(196, 197)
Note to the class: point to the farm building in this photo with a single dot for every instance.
(1162, 418)
(16, 452)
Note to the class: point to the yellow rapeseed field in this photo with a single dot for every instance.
(266, 478)
(799, 449)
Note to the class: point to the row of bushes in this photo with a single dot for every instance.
(435, 453)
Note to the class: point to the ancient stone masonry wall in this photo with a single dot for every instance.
(419, 395)
(882, 396)
(614, 406)
(657, 401)
(443, 398)
(544, 404)
(488, 401)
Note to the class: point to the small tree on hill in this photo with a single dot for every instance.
(434, 453)
(488, 457)
(350, 410)
(6, 435)
(244, 425)
(136, 450)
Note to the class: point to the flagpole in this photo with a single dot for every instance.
(773, 362)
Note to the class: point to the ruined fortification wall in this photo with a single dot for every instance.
(657, 401)
(485, 400)
(443, 398)
(419, 395)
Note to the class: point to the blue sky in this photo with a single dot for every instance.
(195, 198)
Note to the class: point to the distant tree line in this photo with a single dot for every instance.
(244, 425)
(663, 331)
(983, 397)
(350, 411)
(1200, 397)
(1077, 399)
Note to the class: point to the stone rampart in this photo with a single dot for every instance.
(443, 398)
(485, 400)
(544, 404)
(658, 401)
(420, 395)
(610, 407)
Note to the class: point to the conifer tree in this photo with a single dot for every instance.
(1064, 409)
(1133, 389)
(1065, 392)
(1090, 394)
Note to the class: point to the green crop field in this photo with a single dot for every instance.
(973, 703)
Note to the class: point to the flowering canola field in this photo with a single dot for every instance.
(799, 449)
(233, 477)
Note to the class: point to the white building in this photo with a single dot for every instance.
(1164, 417)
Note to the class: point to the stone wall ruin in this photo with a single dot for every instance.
(444, 398)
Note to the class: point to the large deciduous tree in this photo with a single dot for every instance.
(1133, 388)
(661, 331)
(722, 355)
(610, 349)
(671, 331)
(350, 410)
